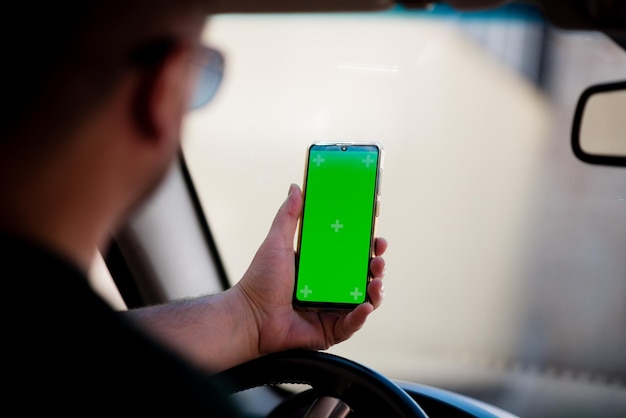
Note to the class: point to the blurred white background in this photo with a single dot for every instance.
(506, 254)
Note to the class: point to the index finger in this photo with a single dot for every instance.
(380, 246)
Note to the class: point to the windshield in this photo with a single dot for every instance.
(506, 275)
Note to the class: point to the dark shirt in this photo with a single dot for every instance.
(66, 350)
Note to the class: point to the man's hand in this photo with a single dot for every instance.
(267, 286)
(256, 317)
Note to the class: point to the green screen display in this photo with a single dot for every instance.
(337, 223)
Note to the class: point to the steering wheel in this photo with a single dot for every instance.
(338, 384)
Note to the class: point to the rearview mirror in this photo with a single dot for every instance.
(599, 130)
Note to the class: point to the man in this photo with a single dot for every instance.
(94, 96)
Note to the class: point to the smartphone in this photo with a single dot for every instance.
(338, 225)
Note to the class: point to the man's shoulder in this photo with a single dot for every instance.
(66, 343)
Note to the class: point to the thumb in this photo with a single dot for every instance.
(285, 222)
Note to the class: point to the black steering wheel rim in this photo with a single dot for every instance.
(367, 392)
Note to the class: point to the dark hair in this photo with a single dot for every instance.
(62, 58)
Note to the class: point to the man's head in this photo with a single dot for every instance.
(62, 58)
(94, 93)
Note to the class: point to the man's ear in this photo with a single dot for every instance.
(162, 94)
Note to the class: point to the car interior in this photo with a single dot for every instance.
(503, 200)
